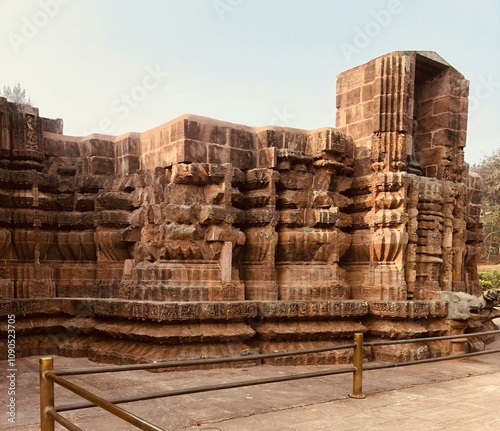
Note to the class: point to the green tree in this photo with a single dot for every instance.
(15, 94)
(489, 169)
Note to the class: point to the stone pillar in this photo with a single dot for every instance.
(257, 257)
(474, 234)
(375, 107)
(312, 169)
(388, 239)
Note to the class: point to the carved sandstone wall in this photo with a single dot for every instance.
(416, 229)
(204, 238)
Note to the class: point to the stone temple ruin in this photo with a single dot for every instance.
(202, 238)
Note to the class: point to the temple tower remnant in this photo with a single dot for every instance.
(407, 115)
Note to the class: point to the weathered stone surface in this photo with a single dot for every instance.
(408, 352)
(292, 309)
(200, 232)
(306, 330)
(340, 356)
(396, 329)
(173, 334)
(131, 352)
(176, 311)
(412, 309)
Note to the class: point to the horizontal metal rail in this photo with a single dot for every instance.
(197, 362)
(208, 388)
(443, 337)
(231, 359)
(427, 360)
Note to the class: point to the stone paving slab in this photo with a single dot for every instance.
(412, 408)
(452, 395)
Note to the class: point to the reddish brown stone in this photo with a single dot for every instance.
(202, 237)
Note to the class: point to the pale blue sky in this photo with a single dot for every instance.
(127, 65)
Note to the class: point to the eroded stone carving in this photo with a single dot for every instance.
(201, 237)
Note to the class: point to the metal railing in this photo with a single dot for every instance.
(49, 413)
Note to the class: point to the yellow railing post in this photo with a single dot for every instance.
(46, 395)
(357, 378)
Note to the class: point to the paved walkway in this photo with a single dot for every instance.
(453, 395)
